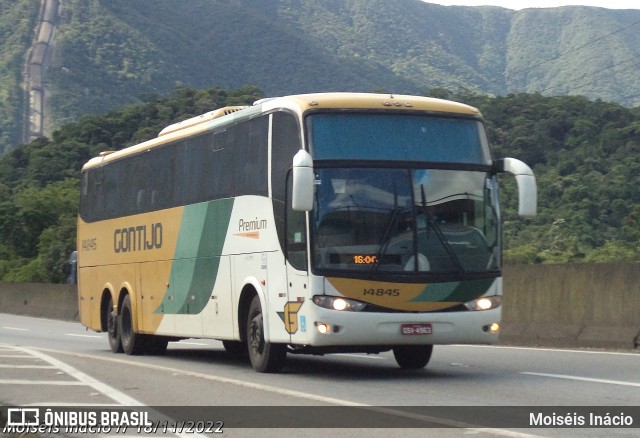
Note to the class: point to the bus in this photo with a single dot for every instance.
(305, 224)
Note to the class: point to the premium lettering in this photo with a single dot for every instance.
(252, 225)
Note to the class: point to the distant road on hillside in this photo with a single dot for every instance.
(37, 60)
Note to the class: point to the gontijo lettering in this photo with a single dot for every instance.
(138, 238)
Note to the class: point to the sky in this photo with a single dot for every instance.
(522, 4)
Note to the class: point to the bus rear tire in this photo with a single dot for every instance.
(132, 343)
(113, 329)
(265, 357)
(412, 357)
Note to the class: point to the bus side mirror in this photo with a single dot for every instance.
(526, 180)
(303, 180)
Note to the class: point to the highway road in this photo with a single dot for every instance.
(56, 363)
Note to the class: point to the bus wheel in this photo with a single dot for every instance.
(412, 356)
(132, 342)
(235, 348)
(113, 329)
(265, 357)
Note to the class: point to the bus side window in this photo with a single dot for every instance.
(157, 200)
(296, 232)
(286, 142)
(142, 201)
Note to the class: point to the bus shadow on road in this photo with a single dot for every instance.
(360, 367)
(332, 366)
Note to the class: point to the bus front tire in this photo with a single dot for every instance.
(113, 329)
(265, 357)
(132, 343)
(412, 356)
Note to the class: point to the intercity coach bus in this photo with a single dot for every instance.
(319, 223)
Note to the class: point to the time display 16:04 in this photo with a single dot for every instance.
(359, 259)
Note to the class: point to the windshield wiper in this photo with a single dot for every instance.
(388, 231)
(386, 237)
(436, 229)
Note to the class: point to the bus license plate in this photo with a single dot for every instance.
(415, 329)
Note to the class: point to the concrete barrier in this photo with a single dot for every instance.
(54, 301)
(581, 305)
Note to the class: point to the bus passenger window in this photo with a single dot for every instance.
(142, 201)
(296, 232)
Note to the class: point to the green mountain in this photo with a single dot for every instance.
(103, 54)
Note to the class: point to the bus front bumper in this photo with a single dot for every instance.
(325, 327)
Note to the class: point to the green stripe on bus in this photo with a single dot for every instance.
(456, 291)
(197, 258)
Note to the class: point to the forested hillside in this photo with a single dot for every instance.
(110, 53)
(39, 182)
(586, 155)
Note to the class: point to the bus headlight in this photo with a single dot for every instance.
(338, 303)
(484, 303)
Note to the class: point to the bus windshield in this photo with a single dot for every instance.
(426, 221)
(398, 137)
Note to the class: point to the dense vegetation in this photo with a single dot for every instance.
(39, 187)
(586, 156)
(111, 53)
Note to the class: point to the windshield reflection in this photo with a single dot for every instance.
(405, 220)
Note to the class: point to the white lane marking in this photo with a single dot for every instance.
(42, 382)
(502, 432)
(555, 350)
(15, 356)
(360, 356)
(583, 379)
(192, 343)
(16, 328)
(103, 388)
(65, 404)
(34, 367)
(83, 336)
(182, 372)
(85, 379)
(288, 392)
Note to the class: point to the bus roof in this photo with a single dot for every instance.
(370, 101)
(297, 103)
